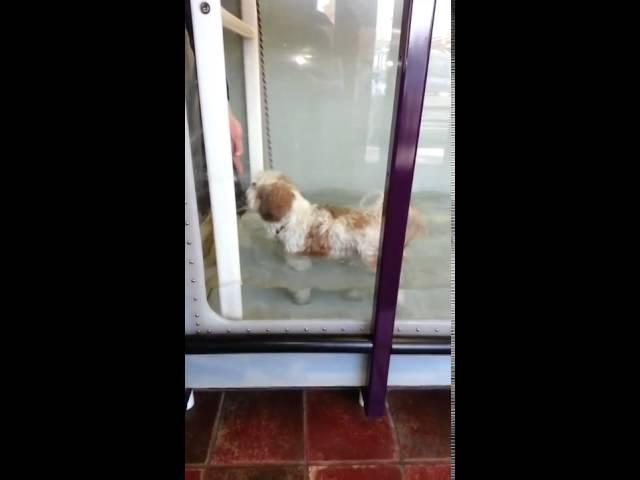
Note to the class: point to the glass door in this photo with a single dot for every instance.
(290, 107)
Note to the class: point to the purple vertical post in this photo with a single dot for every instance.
(415, 44)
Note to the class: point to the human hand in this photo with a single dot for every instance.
(236, 143)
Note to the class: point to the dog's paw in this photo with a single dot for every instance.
(353, 294)
(401, 297)
(371, 262)
(301, 297)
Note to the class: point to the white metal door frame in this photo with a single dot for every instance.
(214, 111)
(199, 316)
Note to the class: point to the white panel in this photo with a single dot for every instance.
(251, 55)
(419, 370)
(214, 110)
(234, 24)
(269, 370)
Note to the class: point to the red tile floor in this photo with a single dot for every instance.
(317, 435)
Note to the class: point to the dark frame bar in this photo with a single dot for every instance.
(415, 44)
(216, 344)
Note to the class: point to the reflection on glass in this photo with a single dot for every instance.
(425, 281)
(329, 79)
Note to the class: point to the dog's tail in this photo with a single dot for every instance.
(415, 223)
(373, 201)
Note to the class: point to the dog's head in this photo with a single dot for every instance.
(271, 194)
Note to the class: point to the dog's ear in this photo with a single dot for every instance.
(283, 178)
(275, 201)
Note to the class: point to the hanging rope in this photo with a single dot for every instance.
(265, 98)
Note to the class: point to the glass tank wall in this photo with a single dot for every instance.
(327, 87)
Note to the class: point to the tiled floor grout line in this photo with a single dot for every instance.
(323, 463)
(305, 435)
(367, 461)
(214, 431)
(427, 461)
(195, 467)
(396, 437)
(355, 463)
(249, 465)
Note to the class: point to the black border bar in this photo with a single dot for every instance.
(216, 344)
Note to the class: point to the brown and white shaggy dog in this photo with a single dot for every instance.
(310, 230)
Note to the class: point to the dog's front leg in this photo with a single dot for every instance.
(298, 263)
(371, 261)
(302, 296)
